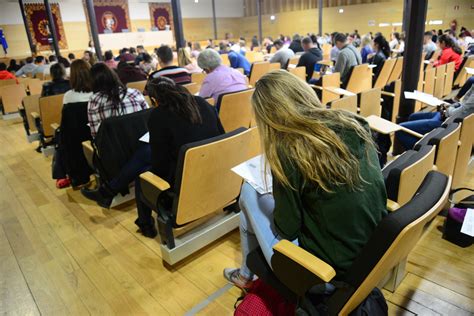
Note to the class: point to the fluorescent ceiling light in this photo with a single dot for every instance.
(341, 10)
(435, 22)
(272, 18)
(384, 24)
(397, 24)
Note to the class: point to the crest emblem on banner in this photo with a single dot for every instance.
(109, 21)
(161, 22)
(43, 27)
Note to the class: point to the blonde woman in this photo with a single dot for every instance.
(328, 191)
(184, 60)
(366, 50)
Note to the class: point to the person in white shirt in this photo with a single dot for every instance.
(428, 46)
(395, 40)
(47, 69)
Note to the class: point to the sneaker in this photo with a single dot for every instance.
(98, 195)
(233, 276)
(62, 183)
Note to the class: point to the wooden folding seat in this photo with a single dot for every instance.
(369, 102)
(330, 80)
(7, 82)
(360, 79)
(385, 73)
(449, 79)
(139, 85)
(460, 76)
(198, 78)
(11, 96)
(259, 69)
(429, 82)
(30, 104)
(48, 118)
(293, 62)
(193, 88)
(299, 72)
(391, 100)
(294, 271)
(439, 81)
(40, 76)
(204, 185)
(225, 59)
(35, 86)
(348, 103)
(397, 71)
(235, 109)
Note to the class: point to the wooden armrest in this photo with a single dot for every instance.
(54, 126)
(392, 205)
(152, 186)
(316, 87)
(413, 133)
(35, 115)
(21, 107)
(390, 94)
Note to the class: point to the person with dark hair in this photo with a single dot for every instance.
(382, 52)
(395, 40)
(434, 36)
(255, 43)
(180, 119)
(334, 50)
(401, 45)
(58, 83)
(40, 63)
(28, 68)
(89, 57)
(311, 56)
(295, 45)
(140, 54)
(71, 57)
(47, 69)
(428, 46)
(109, 59)
(133, 51)
(5, 74)
(239, 61)
(80, 81)
(179, 75)
(111, 98)
(13, 67)
(282, 55)
(127, 72)
(223, 48)
(65, 62)
(125, 56)
(450, 52)
(347, 58)
(147, 64)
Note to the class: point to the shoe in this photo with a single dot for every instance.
(62, 183)
(100, 195)
(233, 276)
(147, 230)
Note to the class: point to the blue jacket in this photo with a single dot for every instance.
(239, 61)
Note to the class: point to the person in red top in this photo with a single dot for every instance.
(5, 74)
(450, 52)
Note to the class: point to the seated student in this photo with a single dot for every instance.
(366, 48)
(425, 122)
(311, 56)
(295, 44)
(382, 52)
(238, 60)
(223, 48)
(81, 92)
(140, 55)
(220, 79)
(180, 118)
(428, 46)
(28, 68)
(111, 98)
(334, 50)
(129, 73)
(71, 57)
(13, 67)
(52, 60)
(185, 61)
(58, 84)
(40, 62)
(268, 44)
(179, 75)
(196, 50)
(401, 46)
(109, 60)
(328, 190)
(465, 88)
(450, 52)
(395, 41)
(147, 63)
(5, 74)
(282, 55)
(347, 58)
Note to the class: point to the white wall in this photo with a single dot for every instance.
(73, 10)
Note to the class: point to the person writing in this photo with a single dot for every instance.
(328, 190)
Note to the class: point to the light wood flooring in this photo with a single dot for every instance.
(62, 255)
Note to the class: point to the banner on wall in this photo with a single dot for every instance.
(112, 16)
(161, 15)
(37, 21)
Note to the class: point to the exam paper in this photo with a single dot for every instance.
(343, 92)
(469, 70)
(468, 224)
(424, 98)
(145, 138)
(252, 171)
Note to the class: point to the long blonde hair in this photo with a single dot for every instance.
(184, 58)
(295, 128)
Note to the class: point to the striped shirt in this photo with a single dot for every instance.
(101, 108)
(177, 74)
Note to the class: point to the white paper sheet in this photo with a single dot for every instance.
(372, 66)
(252, 171)
(468, 224)
(470, 70)
(424, 98)
(145, 138)
(343, 92)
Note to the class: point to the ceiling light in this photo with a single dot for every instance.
(272, 18)
(341, 10)
(384, 24)
(435, 22)
(397, 24)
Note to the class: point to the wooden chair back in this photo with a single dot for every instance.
(449, 79)
(12, 95)
(446, 152)
(192, 87)
(345, 103)
(7, 82)
(429, 82)
(225, 59)
(370, 102)
(396, 99)
(139, 85)
(236, 110)
(50, 112)
(31, 104)
(40, 76)
(397, 70)
(255, 147)
(330, 80)
(462, 75)
(253, 57)
(299, 72)
(464, 151)
(293, 62)
(439, 81)
(198, 78)
(35, 86)
(207, 183)
(361, 79)
(385, 73)
(259, 69)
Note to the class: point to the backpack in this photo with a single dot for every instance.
(455, 219)
(263, 300)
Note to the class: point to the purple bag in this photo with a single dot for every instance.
(455, 219)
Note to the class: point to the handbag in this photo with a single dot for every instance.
(454, 220)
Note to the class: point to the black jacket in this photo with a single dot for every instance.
(296, 47)
(378, 59)
(309, 59)
(55, 87)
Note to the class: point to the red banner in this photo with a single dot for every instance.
(161, 15)
(37, 21)
(112, 16)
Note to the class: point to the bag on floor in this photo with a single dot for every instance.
(455, 219)
(263, 300)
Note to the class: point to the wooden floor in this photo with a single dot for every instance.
(62, 255)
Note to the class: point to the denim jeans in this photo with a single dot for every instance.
(465, 88)
(420, 122)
